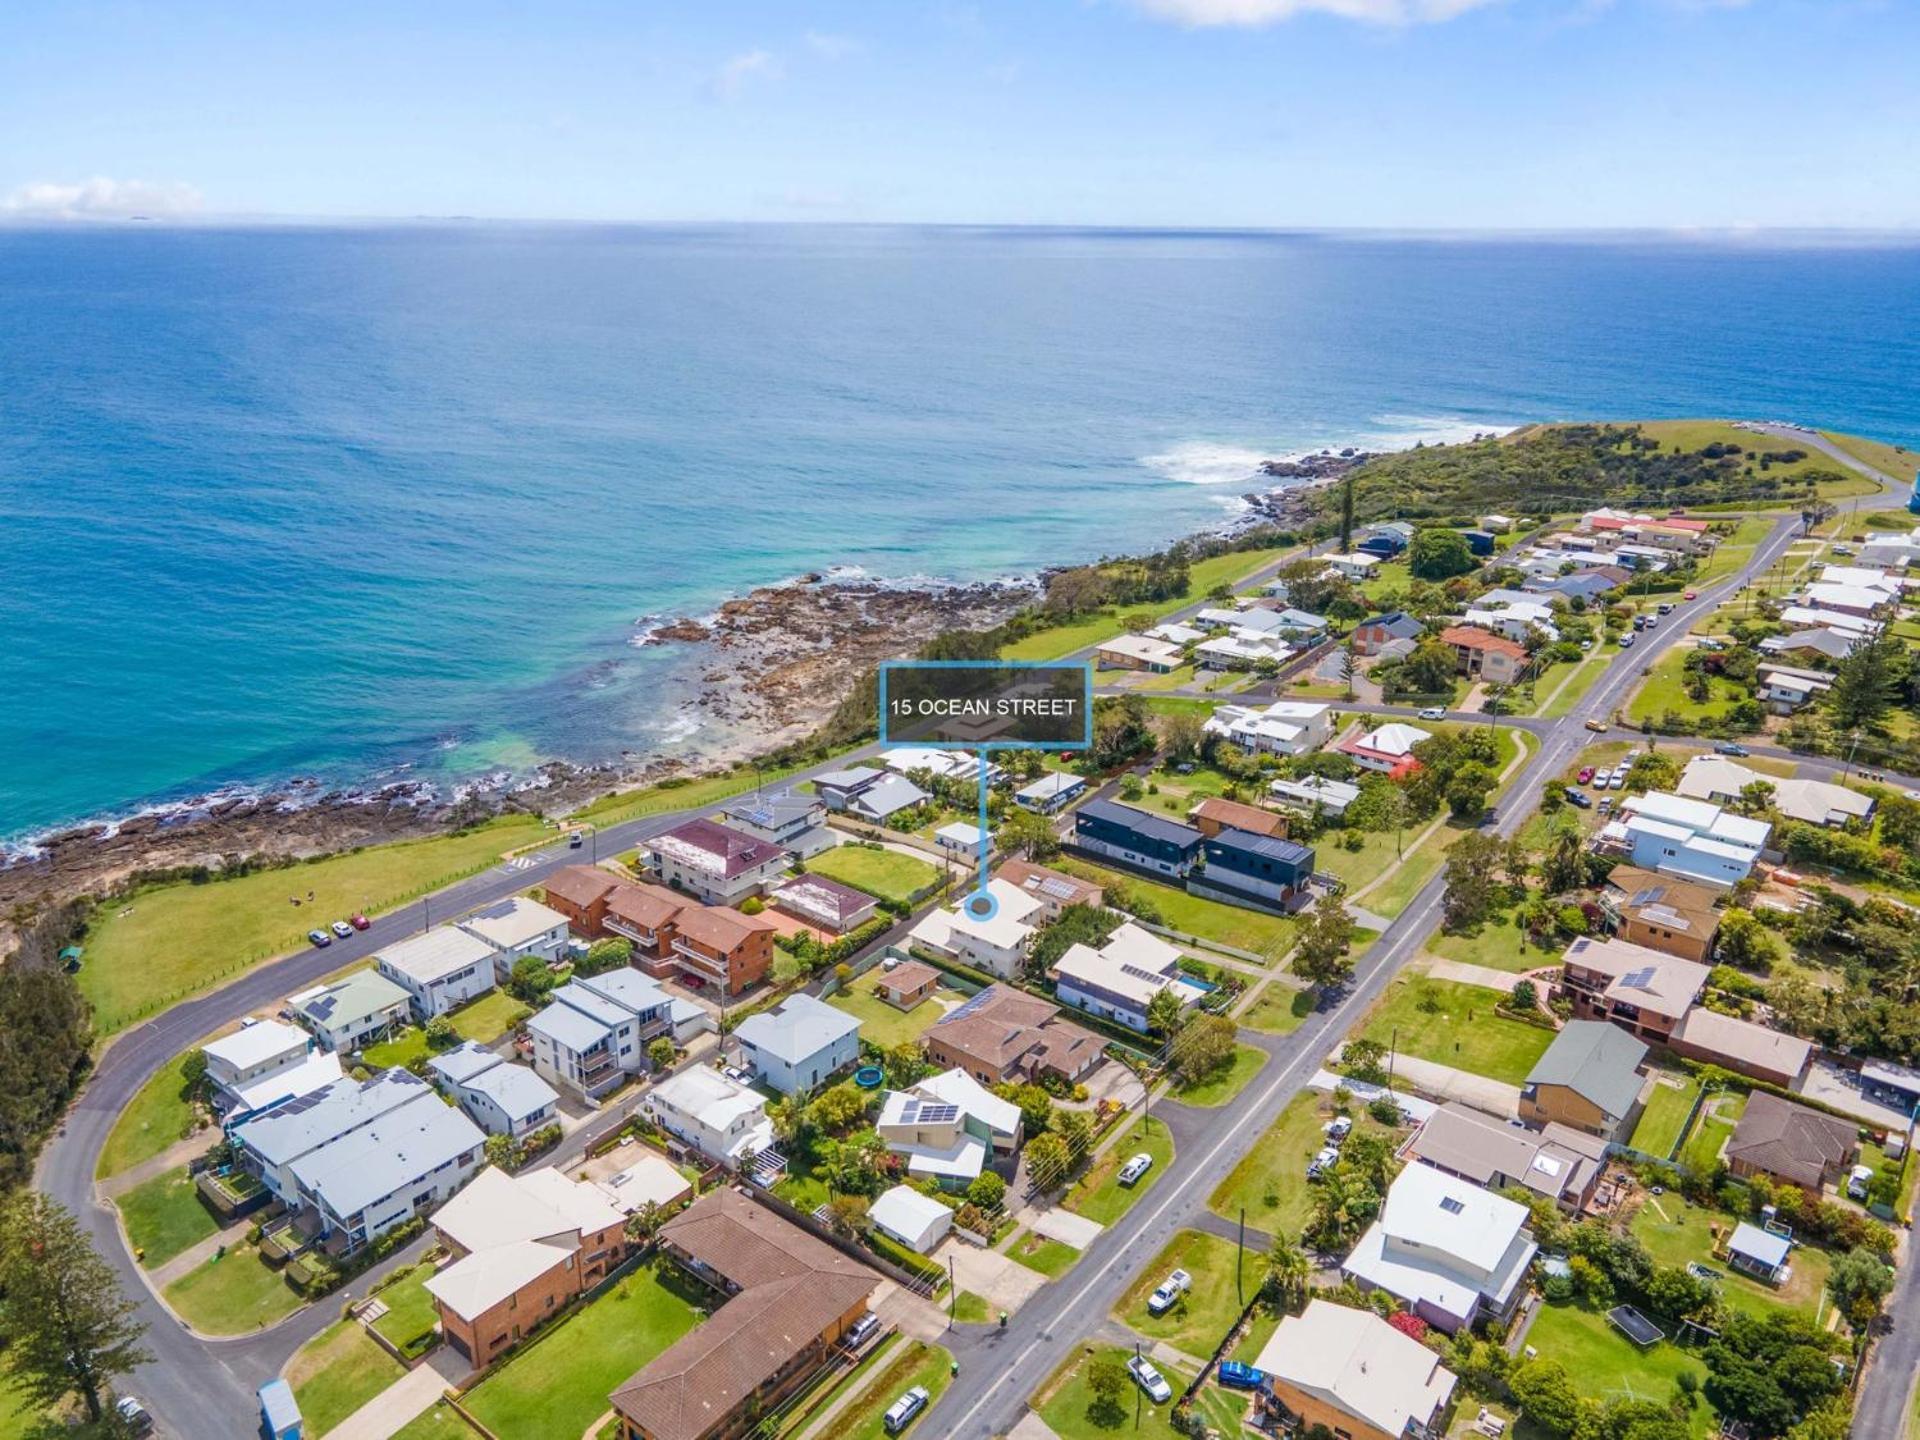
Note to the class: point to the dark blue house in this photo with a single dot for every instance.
(1136, 838)
(1258, 868)
(1480, 542)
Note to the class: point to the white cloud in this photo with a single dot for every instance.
(102, 199)
(739, 72)
(1271, 12)
(833, 47)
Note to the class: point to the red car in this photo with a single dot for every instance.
(358, 922)
(1691, 595)
(1586, 773)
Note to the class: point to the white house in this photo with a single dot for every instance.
(1051, 793)
(801, 1045)
(960, 838)
(517, 927)
(1446, 1249)
(719, 865)
(1315, 793)
(1174, 633)
(917, 1221)
(501, 1098)
(352, 1011)
(997, 944)
(1849, 599)
(256, 1049)
(439, 969)
(595, 1030)
(868, 793)
(948, 764)
(720, 1118)
(948, 1127)
(1120, 980)
(1689, 838)
(1286, 727)
(1351, 1371)
(1785, 688)
(1138, 652)
(1817, 802)
(1240, 647)
(1356, 568)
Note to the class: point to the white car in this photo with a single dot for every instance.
(1601, 777)
(1338, 1128)
(1149, 1380)
(900, 1414)
(1433, 712)
(1131, 1172)
(1858, 1181)
(1168, 1291)
(1619, 781)
(1326, 1159)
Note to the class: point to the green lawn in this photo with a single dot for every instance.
(1499, 945)
(1280, 1010)
(1066, 1402)
(801, 1188)
(439, 1423)
(157, 1118)
(232, 1294)
(1226, 569)
(1270, 1182)
(885, 873)
(969, 1308)
(1676, 1232)
(1583, 680)
(1396, 892)
(1219, 1089)
(883, 1024)
(1712, 1128)
(1734, 550)
(164, 1216)
(1052, 1258)
(560, 1383)
(488, 1018)
(1099, 1195)
(1379, 851)
(1254, 931)
(411, 1314)
(1603, 1363)
(1665, 689)
(401, 1051)
(1660, 1124)
(337, 1372)
(1199, 1320)
(1895, 460)
(915, 1364)
(1454, 1024)
(174, 940)
(658, 799)
(17, 1418)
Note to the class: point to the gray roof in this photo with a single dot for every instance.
(595, 1006)
(894, 792)
(515, 1089)
(402, 1146)
(356, 997)
(770, 812)
(463, 1062)
(801, 1028)
(626, 988)
(851, 778)
(1595, 1060)
(1555, 1161)
(569, 1027)
(314, 1120)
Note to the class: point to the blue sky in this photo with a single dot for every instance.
(1386, 113)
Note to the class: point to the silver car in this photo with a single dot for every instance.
(1149, 1380)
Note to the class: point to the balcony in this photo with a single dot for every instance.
(640, 935)
(701, 963)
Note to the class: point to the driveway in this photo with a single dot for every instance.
(1063, 1225)
(1004, 1284)
(409, 1397)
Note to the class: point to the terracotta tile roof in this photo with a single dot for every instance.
(1231, 813)
(581, 885)
(791, 1289)
(1031, 878)
(1001, 1026)
(1471, 637)
(719, 928)
(1791, 1141)
(909, 976)
(647, 906)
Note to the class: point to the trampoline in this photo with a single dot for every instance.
(1635, 1326)
(868, 1077)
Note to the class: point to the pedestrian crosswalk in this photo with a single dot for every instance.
(521, 862)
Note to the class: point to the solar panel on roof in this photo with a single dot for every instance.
(1639, 979)
(933, 1114)
(1453, 1206)
(1649, 895)
(1057, 889)
(967, 1009)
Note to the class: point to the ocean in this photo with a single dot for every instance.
(386, 501)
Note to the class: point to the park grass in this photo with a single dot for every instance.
(1712, 1128)
(1734, 550)
(1219, 1088)
(172, 941)
(880, 1022)
(1499, 944)
(1052, 1258)
(1662, 1123)
(1454, 1024)
(1099, 1195)
(1253, 931)
(1379, 851)
(411, 1313)
(914, 1364)
(559, 1384)
(1666, 689)
(232, 1294)
(337, 1372)
(157, 1118)
(439, 1423)
(1202, 576)
(1603, 1363)
(1896, 460)
(885, 873)
(1676, 1232)
(164, 1216)
(1591, 668)
(1279, 1010)
(677, 795)
(1199, 1319)
(1066, 1401)
(1270, 1182)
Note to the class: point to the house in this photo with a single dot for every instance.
(525, 1247)
(1690, 838)
(1864, 577)
(1119, 980)
(720, 866)
(1514, 621)
(1861, 600)
(796, 823)
(1742, 1047)
(1791, 1144)
(1003, 1034)
(1483, 655)
(651, 1179)
(948, 1127)
(916, 1221)
(1589, 585)
(1253, 869)
(314, 1072)
(1479, 542)
(1357, 568)
(649, 916)
(257, 1050)
(907, 984)
(355, 1010)
(1139, 652)
(357, 1159)
(1891, 1084)
(1133, 837)
(440, 969)
(1299, 624)
(1806, 615)
(1386, 539)
(1386, 750)
(799, 1046)
(1174, 633)
(1315, 795)
(868, 794)
(961, 765)
(1817, 802)
(1452, 1253)
(1559, 1162)
(1892, 552)
(1054, 890)
(1589, 1079)
(789, 1301)
(1820, 643)
(718, 1118)
(1660, 912)
(1783, 689)
(996, 943)
(1214, 814)
(1498, 524)
(1051, 793)
(1759, 1253)
(1286, 727)
(825, 902)
(1371, 635)
(593, 1034)
(717, 946)
(579, 894)
(518, 927)
(1643, 991)
(1350, 1372)
(957, 837)
(501, 1098)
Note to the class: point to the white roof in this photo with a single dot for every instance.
(1006, 929)
(959, 832)
(1698, 817)
(1395, 738)
(476, 1283)
(1175, 633)
(1809, 615)
(513, 922)
(251, 1044)
(463, 1062)
(1308, 710)
(517, 1090)
(1141, 647)
(1445, 1241)
(516, 1229)
(964, 1161)
(801, 1028)
(1847, 597)
(569, 1027)
(905, 1212)
(289, 1082)
(956, 1087)
(1758, 1244)
(436, 954)
(1335, 793)
(1048, 786)
(1132, 964)
(1860, 576)
(1364, 562)
(1814, 801)
(1358, 1363)
(649, 1180)
(708, 1096)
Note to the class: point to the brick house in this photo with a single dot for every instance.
(715, 946)
(1483, 655)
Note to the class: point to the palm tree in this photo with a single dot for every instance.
(1288, 1271)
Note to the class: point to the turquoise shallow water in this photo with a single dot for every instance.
(325, 501)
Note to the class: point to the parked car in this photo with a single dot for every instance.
(1596, 725)
(1149, 1380)
(1240, 1377)
(1691, 595)
(862, 1331)
(358, 922)
(319, 938)
(1168, 1291)
(1626, 641)
(900, 1414)
(1434, 712)
(1602, 776)
(1135, 1168)
(1639, 623)
(736, 1074)
(1843, 549)
(1586, 774)
(342, 929)
(1619, 781)
(1727, 747)
(1858, 1180)
(1665, 607)
(1606, 803)
(1578, 799)
(1338, 1128)
(576, 840)
(1325, 1159)
(134, 1415)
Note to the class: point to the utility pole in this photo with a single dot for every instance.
(1136, 1389)
(1393, 1046)
(953, 1293)
(1240, 1254)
